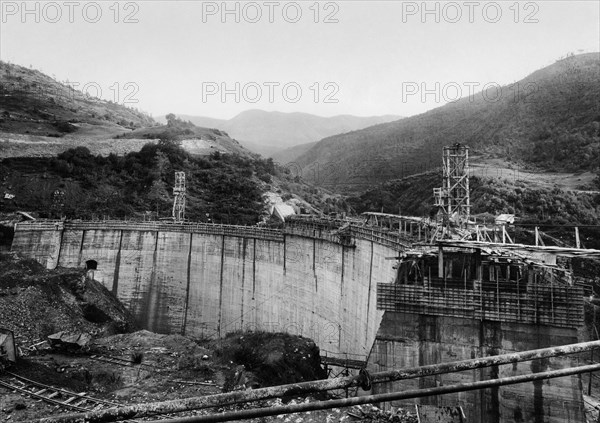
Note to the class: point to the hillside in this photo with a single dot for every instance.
(266, 132)
(226, 187)
(41, 117)
(221, 188)
(193, 139)
(53, 137)
(548, 120)
(292, 153)
(34, 103)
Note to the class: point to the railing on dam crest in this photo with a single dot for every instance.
(342, 232)
(204, 228)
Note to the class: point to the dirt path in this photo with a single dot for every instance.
(499, 168)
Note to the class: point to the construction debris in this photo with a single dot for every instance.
(69, 341)
(435, 414)
(375, 415)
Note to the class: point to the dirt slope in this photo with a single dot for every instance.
(35, 302)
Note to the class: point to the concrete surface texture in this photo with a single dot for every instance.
(209, 285)
(412, 340)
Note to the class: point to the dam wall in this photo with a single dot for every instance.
(210, 280)
(407, 340)
(342, 290)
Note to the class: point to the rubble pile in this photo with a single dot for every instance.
(266, 359)
(36, 302)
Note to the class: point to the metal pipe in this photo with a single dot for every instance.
(477, 363)
(363, 380)
(392, 396)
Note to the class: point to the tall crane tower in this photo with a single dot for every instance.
(453, 197)
(179, 197)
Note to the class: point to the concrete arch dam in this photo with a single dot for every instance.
(208, 280)
(341, 289)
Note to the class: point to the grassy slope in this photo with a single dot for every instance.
(34, 103)
(40, 117)
(194, 139)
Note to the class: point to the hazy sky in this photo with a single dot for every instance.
(327, 58)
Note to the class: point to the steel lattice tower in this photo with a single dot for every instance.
(453, 198)
(179, 197)
(58, 203)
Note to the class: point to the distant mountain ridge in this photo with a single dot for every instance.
(266, 132)
(550, 119)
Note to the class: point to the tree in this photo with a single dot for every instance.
(160, 168)
(171, 119)
(158, 194)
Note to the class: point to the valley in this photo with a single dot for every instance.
(363, 247)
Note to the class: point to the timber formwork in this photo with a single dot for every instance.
(484, 284)
(541, 304)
